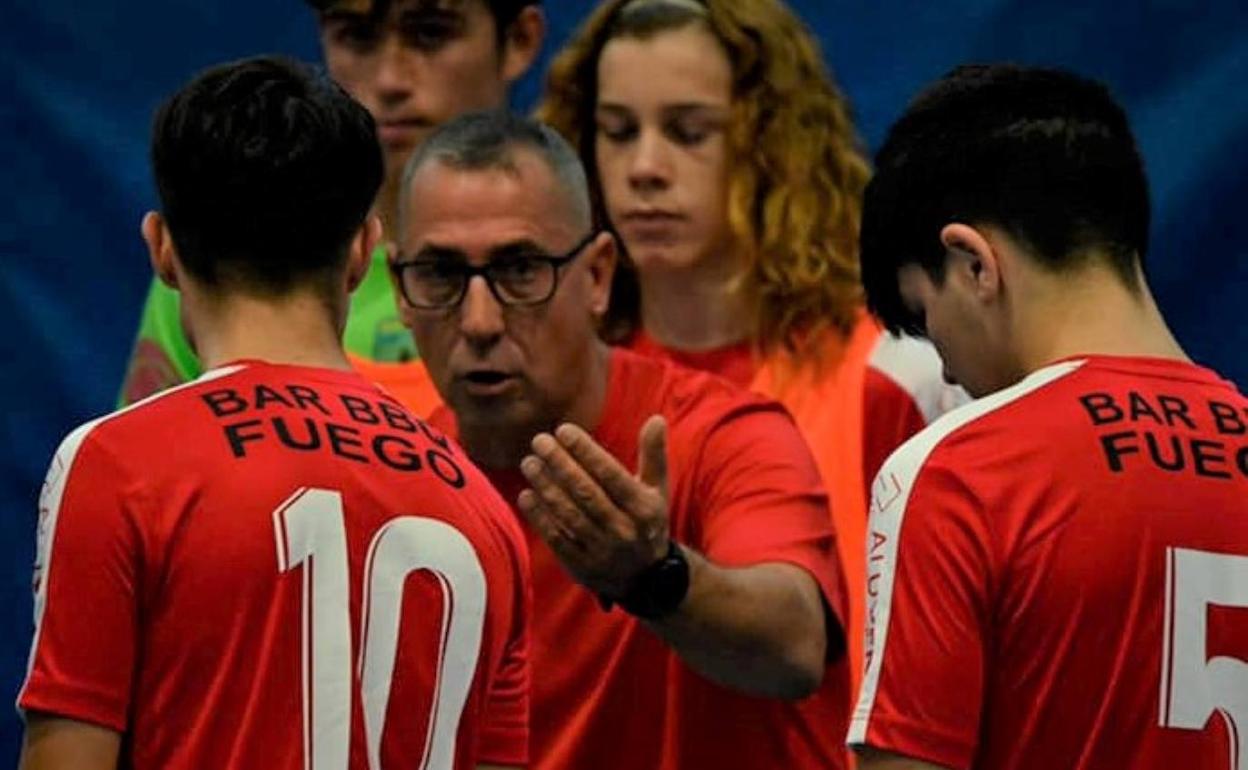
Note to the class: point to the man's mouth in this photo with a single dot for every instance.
(401, 131)
(485, 382)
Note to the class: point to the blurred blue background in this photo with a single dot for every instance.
(79, 82)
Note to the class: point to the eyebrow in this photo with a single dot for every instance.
(426, 7)
(432, 253)
(680, 108)
(521, 248)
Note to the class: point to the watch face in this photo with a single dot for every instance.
(673, 582)
(661, 588)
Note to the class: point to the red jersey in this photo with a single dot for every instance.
(279, 567)
(1058, 576)
(743, 489)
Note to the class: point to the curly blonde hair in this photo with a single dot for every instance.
(798, 170)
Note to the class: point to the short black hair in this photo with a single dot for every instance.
(503, 11)
(266, 170)
(506, 11)
(1044, 154)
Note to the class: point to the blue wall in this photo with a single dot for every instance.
(78, 83)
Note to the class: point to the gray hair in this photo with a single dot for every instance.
(488, 140)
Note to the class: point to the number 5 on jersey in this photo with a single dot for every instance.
(1193, 685)
(311, 532)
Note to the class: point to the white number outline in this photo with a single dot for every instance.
(1193, 685)
(311, 524)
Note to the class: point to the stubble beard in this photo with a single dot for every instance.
(495, 442)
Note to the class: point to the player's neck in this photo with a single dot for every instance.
(1095, 315)
(298, 330)
(693, 309)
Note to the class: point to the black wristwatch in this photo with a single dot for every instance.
(659, 589)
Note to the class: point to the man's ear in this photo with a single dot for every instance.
(522, 42)
(160, 249)
(972, 253)
(360, 255)
(602, 254)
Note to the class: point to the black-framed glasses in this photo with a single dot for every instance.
(515, 280)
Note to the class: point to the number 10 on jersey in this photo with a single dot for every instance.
(311, 532)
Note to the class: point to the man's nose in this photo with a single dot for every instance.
(480, 314)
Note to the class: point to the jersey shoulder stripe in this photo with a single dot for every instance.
(889, 499)
(53, 492)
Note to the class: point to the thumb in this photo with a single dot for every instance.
(652, 453)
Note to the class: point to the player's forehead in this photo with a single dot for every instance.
(684, 67)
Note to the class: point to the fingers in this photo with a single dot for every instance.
(587, 550)
(538, 518)
(578, 481)
(549, 526)
(604, 524)
(565, 517)
(652, 453)
(622, 487)
(583, 494)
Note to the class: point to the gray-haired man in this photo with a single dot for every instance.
(690, 509)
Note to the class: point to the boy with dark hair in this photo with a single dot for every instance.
(276, 565)
(414, 64)
(1057, 571)
(1043, 155)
